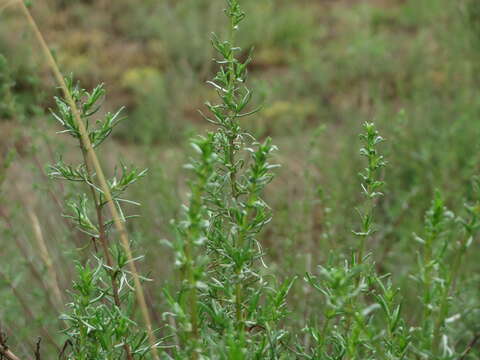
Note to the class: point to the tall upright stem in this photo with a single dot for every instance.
(443, 313)
(192, 235)
(233, 176)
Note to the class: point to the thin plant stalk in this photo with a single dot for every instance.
(7, 4)
(233, 175)
(23, 345)
(371, 184)
(5, 352)
(45, 256)
(450, 287)
(193, 296)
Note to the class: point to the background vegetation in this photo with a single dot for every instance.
(320, 68)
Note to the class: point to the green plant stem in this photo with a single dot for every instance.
(239, 244)
(368, 211)
(427, 259)
(325, 328)
(238, 302)
(192, 286)
(192, 297)
(233, 181)
(443, 313)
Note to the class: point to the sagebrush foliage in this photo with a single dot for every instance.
(99, 324)
(217, 251)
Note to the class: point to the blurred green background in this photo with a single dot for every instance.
(321, 68)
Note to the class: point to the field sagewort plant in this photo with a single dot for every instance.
(361, 316)
(100, 322)
(225, 307)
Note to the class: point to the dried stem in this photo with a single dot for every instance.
(470, 347)
(4, 350)
(37, 349)
(45, 255)
(7, 4)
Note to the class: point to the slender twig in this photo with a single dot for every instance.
(7, 4)
(470, 346)
(23, 345)
(100, 175)
(8, 354)
(5, 352)
(37, 349)
(61, 355)
(45, 256)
